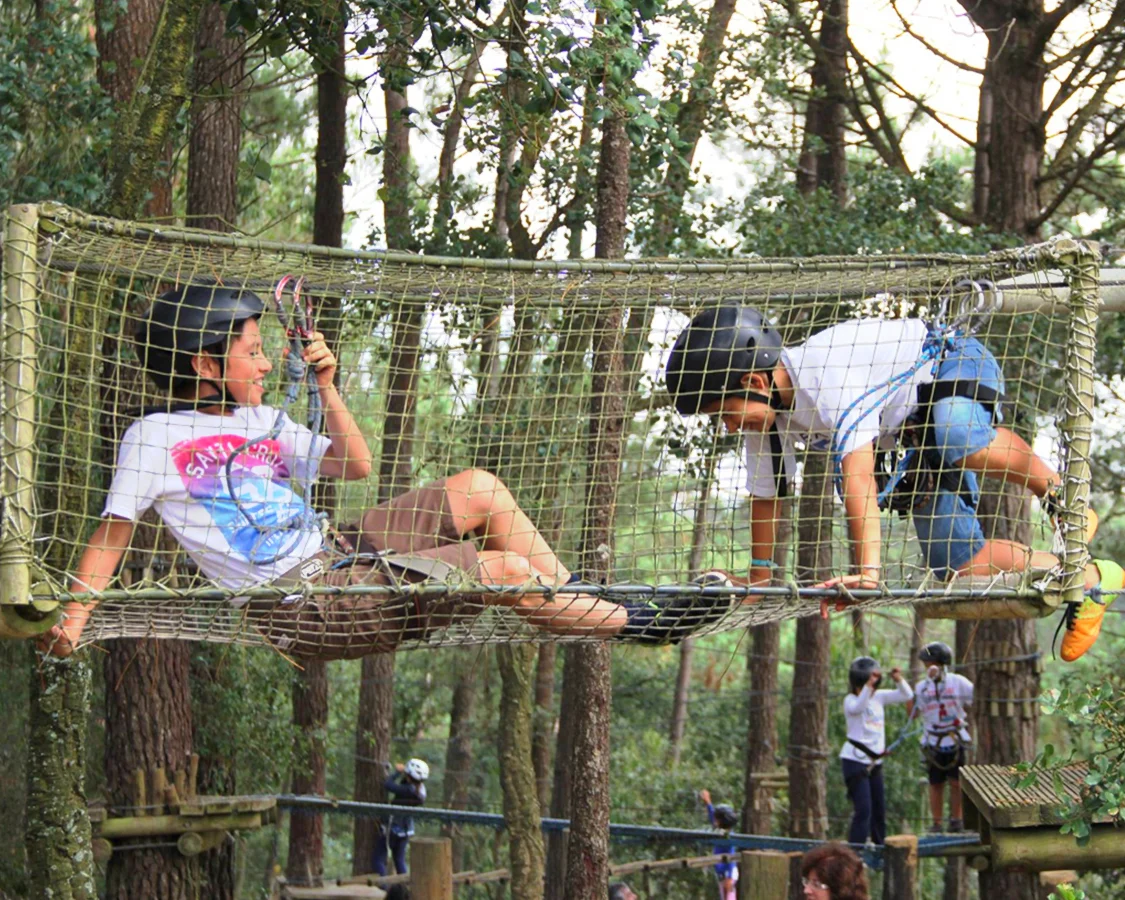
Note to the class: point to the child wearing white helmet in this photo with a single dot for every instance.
(405, 785)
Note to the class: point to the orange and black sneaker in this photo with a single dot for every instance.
(1084, 620)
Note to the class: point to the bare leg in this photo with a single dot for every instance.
(482, 505)
(572, 614)
(1011, 458)
(997, 556)
(937, 794)
(955, 800)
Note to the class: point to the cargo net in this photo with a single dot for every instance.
(496, 437)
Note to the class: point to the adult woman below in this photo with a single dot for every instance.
(862, 755)
(833, 872)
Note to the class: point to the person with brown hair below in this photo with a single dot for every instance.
(833, 872)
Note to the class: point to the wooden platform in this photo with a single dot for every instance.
(1020, 826)
(989, 793)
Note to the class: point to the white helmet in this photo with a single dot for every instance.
(418, 769)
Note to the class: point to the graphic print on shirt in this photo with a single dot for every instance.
(260, 479)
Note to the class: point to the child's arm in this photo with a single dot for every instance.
(349, 457)
(861, 508)
(763, 530)
(96, 568)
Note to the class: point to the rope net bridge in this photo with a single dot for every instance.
(489, 374)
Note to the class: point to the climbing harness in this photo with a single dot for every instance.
(299, 329)
(908, 475)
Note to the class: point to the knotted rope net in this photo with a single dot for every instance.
(535, 386)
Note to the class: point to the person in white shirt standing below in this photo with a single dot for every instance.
(863, 751)
(943, 699)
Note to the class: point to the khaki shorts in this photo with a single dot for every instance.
(416, 540)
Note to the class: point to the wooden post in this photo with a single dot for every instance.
(763, 875)
(431, 868)
(900, 867)
(17, 436)
(796, 888)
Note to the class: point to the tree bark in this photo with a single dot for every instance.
(60, 863)
(148, 704)
(680, 702)
(459, 749)
(517, 773)
(761, 734)
(372, 749)
(587, 868)
(214, 141)
(564, 756)
(310, 684)
(808, 716)
(216, 124)
(305, 864)
(823, 161)
(543, 725)
(148, 726)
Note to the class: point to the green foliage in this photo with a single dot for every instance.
(1067, 892)
(55, 123)
(1097, 709)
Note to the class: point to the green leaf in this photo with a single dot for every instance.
(263, 171)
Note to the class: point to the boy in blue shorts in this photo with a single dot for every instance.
(724, 818)
(230, 476)
(854, 389)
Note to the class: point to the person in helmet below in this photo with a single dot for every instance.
(861, 757)
(724, 818)
(405, 786)
(943, 699)
(859, 387)
(226, 472)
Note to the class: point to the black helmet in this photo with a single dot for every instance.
(860, 671)
(725, 816)
(184, 321)
(194, 317)
(711, 355)
(936, 653)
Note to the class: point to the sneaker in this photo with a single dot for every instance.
(1051, 504)
(672, 620)
(956, 826)
(937, 828)
(1084, 620)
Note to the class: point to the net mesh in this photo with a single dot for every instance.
(484, 374)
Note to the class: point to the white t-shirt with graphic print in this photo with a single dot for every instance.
(866, 720)
(943, 706)
(176, 464)
(831, 373)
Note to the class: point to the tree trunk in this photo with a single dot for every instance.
(823, 162)
(564, 756)
(310, 684)
(690, 120)
(762, 665)
(212, 202)
(60, 864)
(459, 749)
(216, 124)
(587, 868)
(372, 749)
(543, 725)
(517, 773)
(680, 702)
(1005, 710)
(148, 727)
(305, 865)
(148, 704)
(808, 716)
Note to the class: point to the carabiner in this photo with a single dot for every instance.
(301, 324)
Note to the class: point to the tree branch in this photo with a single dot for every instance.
(934, 50)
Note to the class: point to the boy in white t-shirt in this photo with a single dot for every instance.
(227, 475)
(851, 390)
(943, 699)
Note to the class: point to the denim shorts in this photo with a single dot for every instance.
(947, 524)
